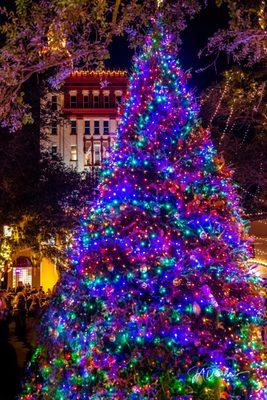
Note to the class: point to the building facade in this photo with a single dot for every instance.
(82, 133)
(90, 103)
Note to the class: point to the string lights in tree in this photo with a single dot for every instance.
(261, 15)
(227, 122)
(225, 89)
(158, 301)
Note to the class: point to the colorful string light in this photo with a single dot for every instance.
(158, 301)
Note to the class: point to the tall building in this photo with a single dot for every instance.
(88, 105)
(89, 101)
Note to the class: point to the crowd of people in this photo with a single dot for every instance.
(23, 305)
(20, 312)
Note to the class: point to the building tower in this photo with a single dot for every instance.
(90, 102)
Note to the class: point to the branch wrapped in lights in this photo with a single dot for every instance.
(158, 302)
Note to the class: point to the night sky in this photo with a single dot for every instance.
(194, 38)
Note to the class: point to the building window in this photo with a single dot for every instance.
(54, 128)
(85, 101)
(96, 128)
(73, 153)
(106, 101)
(87, 127)
(54, 102)
(96, 101)
(97, 155)
(73, 127)
(53, 151)
(73, 101)
(87, 150)
(22, 271)
(106, 127)
(105, 151)
(118, 99)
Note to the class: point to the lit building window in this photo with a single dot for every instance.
(7, 231)
(96, 128)
(87, 127)
(73, 153)
(22, 271)
(54, 151)
(85, 101)
(106, 127)
(106, 101)
(54, 102)
(23, 275)
(88, 153)
(73, 101)
(97, 154)
(106, 150)
(54, 128)
(96, 101)
(73, 127)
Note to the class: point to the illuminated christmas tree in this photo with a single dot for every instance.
(158, 301)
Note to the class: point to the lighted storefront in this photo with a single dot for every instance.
(22, 271)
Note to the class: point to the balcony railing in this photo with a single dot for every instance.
(81, 104)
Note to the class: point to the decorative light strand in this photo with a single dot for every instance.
(226, 87)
